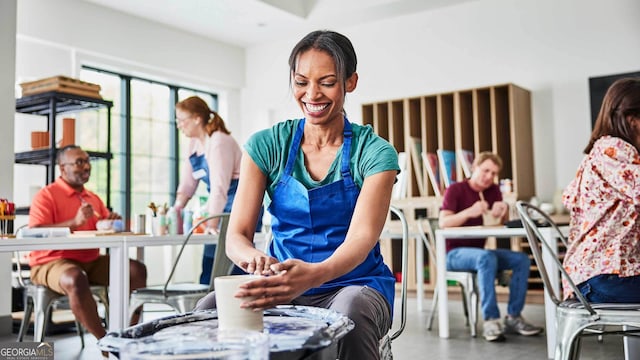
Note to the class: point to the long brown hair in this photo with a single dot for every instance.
(198, 107)
(621, 100)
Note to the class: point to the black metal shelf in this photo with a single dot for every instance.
(40, 104)
(43, 156)
(50, 104)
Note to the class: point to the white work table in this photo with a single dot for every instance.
(119, 269)
(118, 246)
(494, 231)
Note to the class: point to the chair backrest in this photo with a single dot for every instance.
(222, 265)
(220, 262)
(532, 217)
(405, 266)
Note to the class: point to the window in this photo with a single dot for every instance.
(146, 145)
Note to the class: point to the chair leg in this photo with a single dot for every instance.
(42, 313)
(105, 302)
(465, 303)
(133, 305)
(470, 303)
(568, 336)
(473, 313)
(80, 332)
(26, 320)
(179, 305)
(434, 304)
(575, 348)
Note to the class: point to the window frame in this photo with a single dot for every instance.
(125, 179)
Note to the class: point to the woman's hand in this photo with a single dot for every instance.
(260, 264)
(292, 279)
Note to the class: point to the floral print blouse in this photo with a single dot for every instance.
(604, 200)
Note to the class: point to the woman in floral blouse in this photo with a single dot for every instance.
(603, 257)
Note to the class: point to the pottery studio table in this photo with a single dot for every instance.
(118, 246)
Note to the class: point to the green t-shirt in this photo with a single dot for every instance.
(370, 154)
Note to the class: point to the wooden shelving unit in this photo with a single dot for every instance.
(493, 118)
(52, 104)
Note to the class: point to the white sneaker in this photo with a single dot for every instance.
(518, 325)
(492, 330)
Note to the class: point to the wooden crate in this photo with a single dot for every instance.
(62, 84)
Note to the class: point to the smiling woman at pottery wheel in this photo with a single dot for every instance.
(329, 183)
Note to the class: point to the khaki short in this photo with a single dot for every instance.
(49, 274)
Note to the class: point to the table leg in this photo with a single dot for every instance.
(118, 288)
(419, 273)
(441, 283)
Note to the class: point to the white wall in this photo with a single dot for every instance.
(550, 47)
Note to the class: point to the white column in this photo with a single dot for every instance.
(8, 12)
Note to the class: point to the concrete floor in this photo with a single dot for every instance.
(416, 342)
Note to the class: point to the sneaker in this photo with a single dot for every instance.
(517, 325)
(492, 330)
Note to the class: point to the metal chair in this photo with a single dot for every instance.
(182, 297)
(40, 300)
(465, 279)
(577, 317)
(385, 342)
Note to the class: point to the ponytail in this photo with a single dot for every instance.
(215, 123)
(198, 107)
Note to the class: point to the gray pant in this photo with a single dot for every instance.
(365, 306)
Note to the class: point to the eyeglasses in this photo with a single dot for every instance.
(181, 120)
(79, 162)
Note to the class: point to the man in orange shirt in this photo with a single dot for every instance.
(66, 203)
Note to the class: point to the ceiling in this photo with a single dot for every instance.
(250, 22)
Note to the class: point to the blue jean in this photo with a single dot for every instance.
(610, 288)
(486, 264)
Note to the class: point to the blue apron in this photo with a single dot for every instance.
(310, 224)
(200, 169)
(201, 172)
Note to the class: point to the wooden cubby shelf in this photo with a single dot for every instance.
(492, 118)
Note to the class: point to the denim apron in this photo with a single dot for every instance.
(310, 224)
